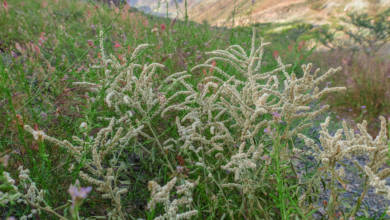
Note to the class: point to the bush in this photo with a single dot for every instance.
(371, 33)
(360, 31)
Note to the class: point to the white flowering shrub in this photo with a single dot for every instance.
(231, 150)
(26, 193)
(346, 143)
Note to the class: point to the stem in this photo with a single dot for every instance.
(117, 204)
(211, 176)
(167, 8)
(266, 216)
(186, 11)
(279, 180)
(62, 207)
(333, 194)
(359, 201)
(161, 147)
(46, 209)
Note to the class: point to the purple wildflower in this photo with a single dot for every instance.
(78, 193)
(350, 82)
(267, 130)
(265, 157)
(363, 107)
(180, 169)
(277, 116)
(43, 115)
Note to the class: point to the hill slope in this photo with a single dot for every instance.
(242, 12)
(221, 12)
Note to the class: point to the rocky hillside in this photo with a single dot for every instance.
(242, 12)
(222, 12)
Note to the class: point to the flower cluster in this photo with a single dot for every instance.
(161, 194)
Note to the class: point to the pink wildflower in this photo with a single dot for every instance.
(44, 4)
(90, 43)
(301, 45)
(42, 38)
(116, 44)
(275, 54)
(5, 5)
(290, 47)
(163, 27)
(213, 64)
(145, 23)
(37, 49)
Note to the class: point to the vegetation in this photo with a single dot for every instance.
(359, 47)
(108, 113)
